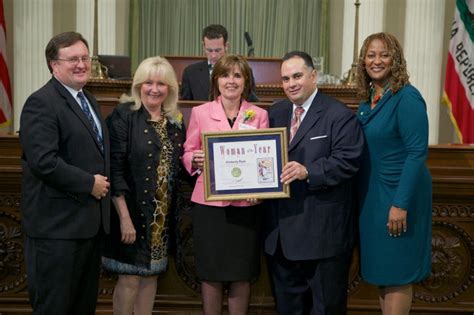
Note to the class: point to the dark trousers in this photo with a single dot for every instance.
(63, 275)
(316, 287)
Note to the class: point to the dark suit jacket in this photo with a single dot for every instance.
(318, 220)
(60, 158)
(195, 84)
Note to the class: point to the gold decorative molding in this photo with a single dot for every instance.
(12, 268)
(452, 264)
(10, 201)
(453, 210)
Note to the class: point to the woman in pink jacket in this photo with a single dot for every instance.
(225, 232)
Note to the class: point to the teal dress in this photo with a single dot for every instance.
(393, 173)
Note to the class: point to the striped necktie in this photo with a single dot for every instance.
(296, 121)
(87, 112)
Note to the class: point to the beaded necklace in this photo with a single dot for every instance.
(374, 99)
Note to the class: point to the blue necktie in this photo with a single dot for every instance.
(87, 111)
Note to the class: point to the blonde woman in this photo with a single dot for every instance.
(146, 136)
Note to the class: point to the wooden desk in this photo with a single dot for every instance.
(109, 91)
(266, 71)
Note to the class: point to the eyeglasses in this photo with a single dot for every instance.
(75, 60)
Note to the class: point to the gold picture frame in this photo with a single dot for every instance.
(245, 164)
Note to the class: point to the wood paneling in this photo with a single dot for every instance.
(266, 71)
(449, 289)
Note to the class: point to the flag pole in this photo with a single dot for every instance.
(350, 77)
(96, 67)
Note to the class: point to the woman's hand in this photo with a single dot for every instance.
(397, 221)
(197, 159)
(127, 229)
(253, 201)
(126, 225)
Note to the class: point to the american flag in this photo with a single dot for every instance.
(5, 86)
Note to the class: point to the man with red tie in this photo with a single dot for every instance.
(309, 237)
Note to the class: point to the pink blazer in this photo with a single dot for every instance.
(211, 117)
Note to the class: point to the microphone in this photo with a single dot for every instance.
(249, 42)
(248, 39)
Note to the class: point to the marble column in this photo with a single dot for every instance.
(33, 28)
(423, 46)
(106, 28)
(371, 19)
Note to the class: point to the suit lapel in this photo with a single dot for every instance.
(314, 113)
(203, 75)
(282, 116)
(75, 107)
(216, 112)
(244, 106)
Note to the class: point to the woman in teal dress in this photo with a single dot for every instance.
(394, 182)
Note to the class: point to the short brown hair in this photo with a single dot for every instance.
(399, 74)
(59, 41)
(224, 65)
(215, 31)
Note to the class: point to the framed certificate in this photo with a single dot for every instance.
(245, 164)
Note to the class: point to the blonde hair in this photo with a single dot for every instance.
(148, 68)
(398, 70)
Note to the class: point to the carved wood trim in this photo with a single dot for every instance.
(449, 289)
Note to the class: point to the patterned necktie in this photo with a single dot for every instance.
(296, 121)
(87, 111)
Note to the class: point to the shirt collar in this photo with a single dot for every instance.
(72, 91)
(307, 104)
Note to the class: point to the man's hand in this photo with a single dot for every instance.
(101, 186)
(293, 171)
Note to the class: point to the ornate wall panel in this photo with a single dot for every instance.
(449, 289)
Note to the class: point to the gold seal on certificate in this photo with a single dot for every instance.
(245, 164)
(236, 172)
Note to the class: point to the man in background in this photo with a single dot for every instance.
(65, 189)
(195, 84)
(309, 237)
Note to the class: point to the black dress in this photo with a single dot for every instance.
(226, 242)
(144, 168)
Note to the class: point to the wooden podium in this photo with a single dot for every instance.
(449, 289)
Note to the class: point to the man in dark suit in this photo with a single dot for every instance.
(309, 237)
(65, 200)
(195, 84)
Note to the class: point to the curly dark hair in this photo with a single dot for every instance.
(399, 74)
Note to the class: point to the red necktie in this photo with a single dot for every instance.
(296, 121)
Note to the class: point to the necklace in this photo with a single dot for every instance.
(231, 110)
(374, 99)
